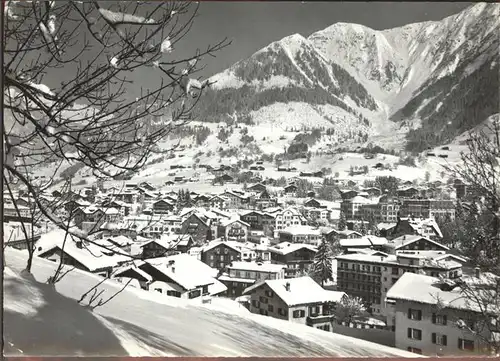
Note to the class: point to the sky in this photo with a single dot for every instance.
(254, 25)
(251, 26)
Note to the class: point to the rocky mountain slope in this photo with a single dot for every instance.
(428, 81)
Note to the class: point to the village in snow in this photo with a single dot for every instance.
(309, 200)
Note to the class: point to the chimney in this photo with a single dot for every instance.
(79, 244)
(287, 286)
(477, 272)
(173, 269)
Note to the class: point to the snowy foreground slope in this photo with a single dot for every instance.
(40, 321)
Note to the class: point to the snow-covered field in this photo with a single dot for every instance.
(41, 320)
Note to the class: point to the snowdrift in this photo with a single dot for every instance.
(42, 320)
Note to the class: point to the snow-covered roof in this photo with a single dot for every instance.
(385, 226)
(361, 257)
(287, 247)
(92, 256)
(365, 241)
(231, 244)
(418, 224)
(131, 267)
(406, 240)
(425, 289)
(301, 230)
(227, 222)
(301, 291)
(121, 240)
(254, 266)
(183, 269)
(360, 200)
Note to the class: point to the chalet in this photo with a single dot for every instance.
(58, 247)
(169, 183)
(201, 200)
(237, 199)
(219, 254)
(372, 192)
(218, 202)
(299, 300)
(147, 186)
(182, 276)
(348, 194)
(241, 275)
(306, 174)
(289, 217)
(161, 207)
(130, 272)
(297, 257)
(311, 194)
(348, 234)
(233, 230)
(92, 218)
(416, 226)
(197, 226)
(414, 243)
(226, 178)
(410, 192)
(179, 179)
(122, 207)
(291, 190)
(257, 188)
(258, 220)
(301, 234)
(314, 203)
(264, 200)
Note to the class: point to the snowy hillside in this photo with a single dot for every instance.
(43, 321)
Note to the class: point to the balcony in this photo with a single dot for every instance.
(319, 318)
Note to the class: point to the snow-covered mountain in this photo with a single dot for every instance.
(440, 76)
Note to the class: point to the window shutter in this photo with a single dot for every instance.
(419, 315)
(434, 318)
(444, 340)
(444, 320)
(459, 343)
(434, 337)
(409, 332)
(409, 313)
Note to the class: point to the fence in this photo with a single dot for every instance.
(378, 335)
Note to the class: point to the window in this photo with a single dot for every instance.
(314, 311)
(269, 293)
(465, 344)
(395, 271)
(439, 319)
(195, 293)
(282, 312)
(439, 339)
(158, 290)
(174, 293)
(255, 303)
(414, 334)
(270, 308)
(415, 350)
(299, 313)
(263, 299)
(414, 314)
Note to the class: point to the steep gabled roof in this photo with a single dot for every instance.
(301, 291)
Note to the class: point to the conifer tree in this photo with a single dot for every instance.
(342, 222)
(321, 270)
